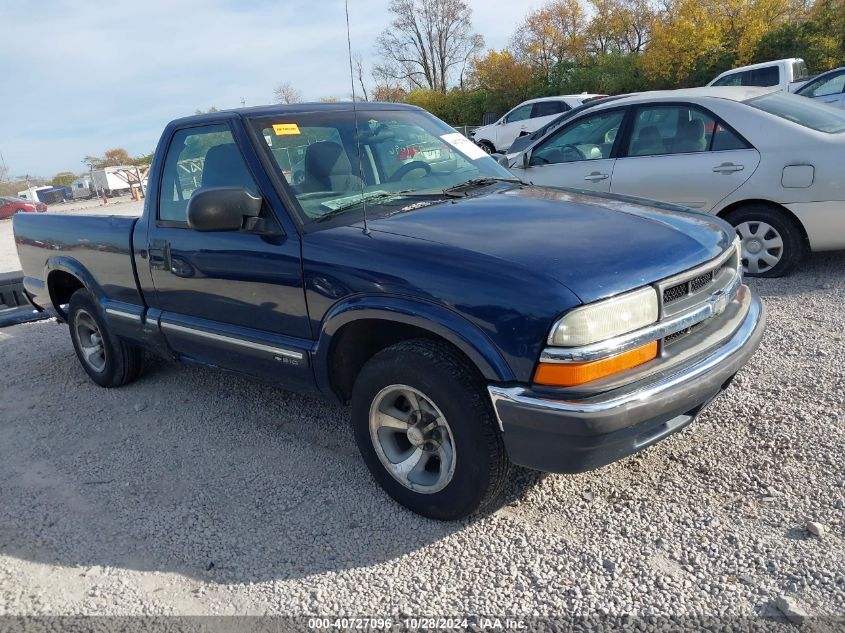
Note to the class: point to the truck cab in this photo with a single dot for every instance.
(786, 74)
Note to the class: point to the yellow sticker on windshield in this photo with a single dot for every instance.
(286, 129)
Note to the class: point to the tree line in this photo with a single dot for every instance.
(430, 55)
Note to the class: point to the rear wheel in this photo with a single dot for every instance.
(108, 360)
(772, 243)
(427, 432)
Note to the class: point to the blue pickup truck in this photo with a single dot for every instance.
(471, 320)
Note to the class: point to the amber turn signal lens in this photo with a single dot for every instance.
(572, 374)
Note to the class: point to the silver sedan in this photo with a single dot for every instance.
(770, 163)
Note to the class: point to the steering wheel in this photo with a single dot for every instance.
(407, 168)
(569, 153)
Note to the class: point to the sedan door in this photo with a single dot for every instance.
(511, 125)
(578, 155)
(683, 154)
(829, 89)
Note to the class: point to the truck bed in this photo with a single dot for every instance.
(77, 244)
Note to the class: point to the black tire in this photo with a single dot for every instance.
(794, 244)
(122, 362)
(481, 466)
(487, 146)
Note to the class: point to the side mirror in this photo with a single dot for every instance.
(526, 159)
(503, 161)
(222, 209)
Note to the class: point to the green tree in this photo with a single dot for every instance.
(63, 179)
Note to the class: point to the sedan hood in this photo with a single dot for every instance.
(596, 246)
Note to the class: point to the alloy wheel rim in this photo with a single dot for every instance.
(90, 341)
(412, 439)
(762, 246)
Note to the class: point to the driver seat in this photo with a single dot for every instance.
(327, 168)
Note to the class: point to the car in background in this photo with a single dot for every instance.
(766, 161)
(525, 119)
(526, 140)
(784, 74)
(9, 205)
(826, 88)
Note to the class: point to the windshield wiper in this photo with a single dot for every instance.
(381, 196)
(481, 182)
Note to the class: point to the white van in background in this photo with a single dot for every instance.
(785, 74)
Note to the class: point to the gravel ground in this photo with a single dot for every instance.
(197, 492)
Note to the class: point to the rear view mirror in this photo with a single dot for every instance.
(222, 209)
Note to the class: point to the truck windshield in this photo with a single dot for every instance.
(330, 163)
(800, 110)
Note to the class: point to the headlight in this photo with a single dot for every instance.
(605, 319)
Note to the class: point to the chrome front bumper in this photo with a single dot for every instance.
(562, 435)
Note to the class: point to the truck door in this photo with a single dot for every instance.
(232, 299)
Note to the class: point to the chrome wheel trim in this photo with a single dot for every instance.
(412, 439)
(762, 246)
(90, 340)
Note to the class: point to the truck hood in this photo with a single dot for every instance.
(595, 245)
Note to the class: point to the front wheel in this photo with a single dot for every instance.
(426, 430)
(487, 146)
(108, 360)
(772, 243)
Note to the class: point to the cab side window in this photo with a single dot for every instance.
(198, 157)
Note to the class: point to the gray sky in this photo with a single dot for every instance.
(78, 78)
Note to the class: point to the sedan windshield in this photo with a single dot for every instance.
(800, 110)
(333, 163)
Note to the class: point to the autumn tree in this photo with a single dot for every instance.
(684, 35)
(619, 26)
(501, 75)
(427, 43)
(693, 40)
(389, 93)
(551, 35)
(286, 93)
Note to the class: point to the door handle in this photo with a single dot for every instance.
(728, 168)
(159, 251)
(596, 176)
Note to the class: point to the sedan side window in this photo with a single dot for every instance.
(198, 157)
(589, 138)
(825, 87)
(670, 130)
(520, 114)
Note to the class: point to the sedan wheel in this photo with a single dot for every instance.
(412, 439)
(762, 246)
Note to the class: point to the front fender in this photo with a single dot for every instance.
(437, 319)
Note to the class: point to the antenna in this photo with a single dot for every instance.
(355, 116)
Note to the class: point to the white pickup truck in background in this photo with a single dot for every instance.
(786, 74)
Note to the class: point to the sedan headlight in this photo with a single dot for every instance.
(605, 319)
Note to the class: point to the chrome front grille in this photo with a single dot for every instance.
(686, 293)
